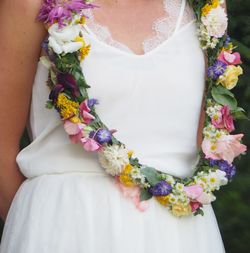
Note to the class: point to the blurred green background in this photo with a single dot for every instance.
(233, 205)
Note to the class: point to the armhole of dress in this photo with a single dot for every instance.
(181, 13)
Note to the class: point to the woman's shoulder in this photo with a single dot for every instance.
(19, 17)
(26, 10)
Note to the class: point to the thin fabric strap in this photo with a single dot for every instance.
(179, 20)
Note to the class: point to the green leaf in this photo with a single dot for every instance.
(53, 77)
(145, 195)
(239, 113)
(199, 212)
(224, 97)
(151, 174)
(49, 104)
(83, 92)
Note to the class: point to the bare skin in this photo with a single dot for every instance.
(124, 22)
(21, 37)
(20, 49)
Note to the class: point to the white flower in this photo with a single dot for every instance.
(179, 187)
(206, 41)
(45, 61)
(169, 179)
(206, 198)
(215, 22)
(172, 198)
(113, 159)
(63, 40)
(137, 176)
(215, 179)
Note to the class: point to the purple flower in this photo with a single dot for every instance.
(92, 102)
(162, 188)
(223, 165)
(216, 70)
(227, 41)
(103, 136)
(55, 92)
(61, 10)
(69, 83)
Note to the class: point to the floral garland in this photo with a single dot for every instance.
(66, 48)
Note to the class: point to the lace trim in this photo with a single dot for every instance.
(162, 28)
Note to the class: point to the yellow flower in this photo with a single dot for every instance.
(164, 200)
(130, 153)
(230, 77)
(81, 20)
(68, 108)
(213, 147)
(84, 50)
(180, 209)
(124, 176)
(75, 119)
(208, 7)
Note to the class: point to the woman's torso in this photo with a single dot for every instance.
(153, 100)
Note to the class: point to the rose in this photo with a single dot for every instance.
(63, 40)
(206, 198)
(193, 191)
(225, 120)
(230, 58)
(227, 147)
(195, 205)
(230, 77)
(181, 209)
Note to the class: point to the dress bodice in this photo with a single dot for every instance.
(153, 100)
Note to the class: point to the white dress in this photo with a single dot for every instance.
(68, 204)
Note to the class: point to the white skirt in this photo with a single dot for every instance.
(86, 213)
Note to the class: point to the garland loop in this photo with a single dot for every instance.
(66, 48)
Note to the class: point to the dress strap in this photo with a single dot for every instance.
(178, 23)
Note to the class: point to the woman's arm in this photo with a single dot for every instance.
(20, 42)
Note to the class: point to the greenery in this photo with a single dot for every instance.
(233, 205)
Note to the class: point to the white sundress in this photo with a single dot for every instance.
(68, 204)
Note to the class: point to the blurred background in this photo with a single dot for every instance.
(232, 207)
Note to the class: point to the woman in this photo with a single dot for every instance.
(150, 84)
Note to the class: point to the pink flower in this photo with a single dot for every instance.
(74, 130)
(84, 110)
(61, 10)
(90, 144)
(227, 147)
(133, 193)
(230, 58)
(193, 191)
(226, 119)
(195, 205)
(206, 198)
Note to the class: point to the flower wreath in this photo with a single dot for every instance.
(65, 48)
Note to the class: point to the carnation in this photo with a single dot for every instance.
(61, 11)
(113, 158)
(215, 22)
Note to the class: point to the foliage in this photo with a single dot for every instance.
(233, 206)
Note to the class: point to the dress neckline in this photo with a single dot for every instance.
(130, 51)
(144, 55)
